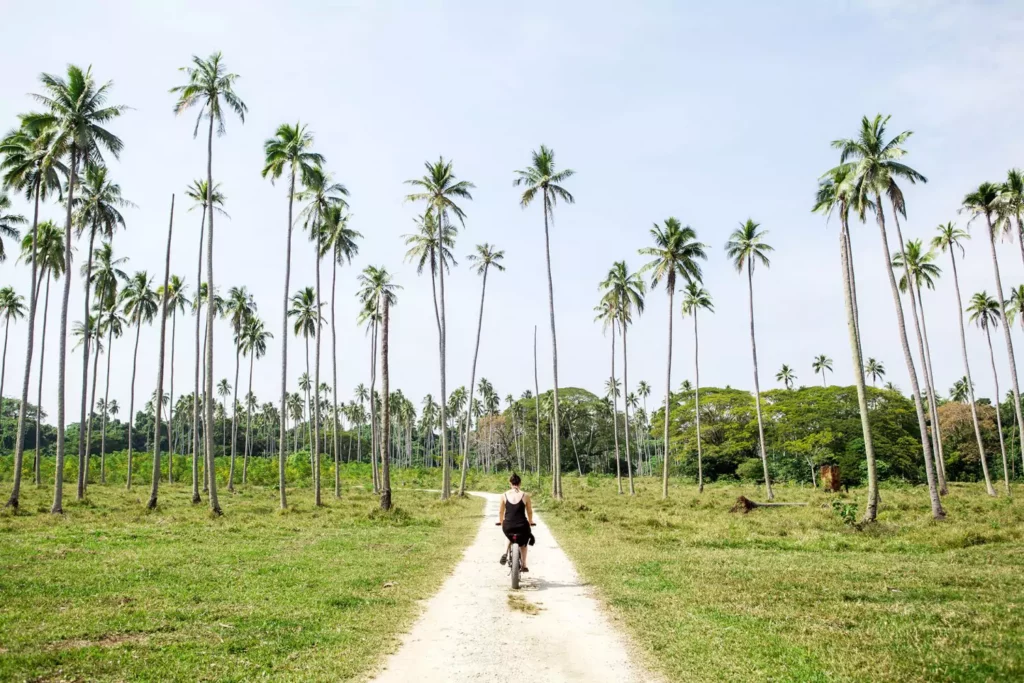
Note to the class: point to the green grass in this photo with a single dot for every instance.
(111, 592)
(794, 594)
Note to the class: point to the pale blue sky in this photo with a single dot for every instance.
(711, 112)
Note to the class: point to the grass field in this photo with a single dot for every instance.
(796, 594)
(109, 592)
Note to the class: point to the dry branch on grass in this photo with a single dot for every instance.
(745, 505)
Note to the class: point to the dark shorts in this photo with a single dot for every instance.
(524, 535)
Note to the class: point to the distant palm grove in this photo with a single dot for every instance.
(182, 424)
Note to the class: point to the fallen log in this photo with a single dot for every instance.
(745, 505)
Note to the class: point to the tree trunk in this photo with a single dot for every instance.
(446, 477)
(210, 316)
(248, 422)
(696, 404)
(83, 453)
(615, 416)
(373, 405)
(316, 387)
(385, 443)
(39, 396)
(625, 406)
(849, 299)
(284, 345)
(92, 402)
(170, 430)
(472, 382)
(3, 371)
(334, 374)
(941, 469)
(936, 504)
(158, 401)
(234, 421)
(19, 439)
(195, 397)
(536, 396)
(671, 286)
(131, 402)
(757, 385)
(556, 475)
(106, 402)
(999, 424)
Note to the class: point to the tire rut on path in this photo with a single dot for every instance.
(468, 631)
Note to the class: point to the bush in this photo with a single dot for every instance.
(751, 470)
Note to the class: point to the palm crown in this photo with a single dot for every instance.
(984, 310)
(306, 313)
(212, 89)
(675, 253)
(746, 246)
(542, 175)
(439, 188)
(624, 292)
(920, 264)
(291, 148)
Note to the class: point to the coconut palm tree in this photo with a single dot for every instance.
(177, 300)
(199, 192)
(75, 112)
(8, 224)
(875, 369)
(223, 390)
(112, 322)
(385, 432)
(306, 311)
(138, 301)
(291, 150)
(375, 284)
(695, 299)
(211, 88)
(837, 190)
(363, 395)
(921, 265)
(254, 338)
(239, 308)
(821, 365)
(786, 376)
(487, 256)
(97, 210)
(159, 396)
(746, 246)
(625, 291)
(876, 166)
(986, 312)
(675, 253)
(985, 201)
(542, 176)
(12, 307)
(83, 330)
(608, 315)
(959, 391)
(439, 188)
(1011, 199)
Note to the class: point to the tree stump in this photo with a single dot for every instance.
(830, 478)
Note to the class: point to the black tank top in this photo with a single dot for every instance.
(515, 513)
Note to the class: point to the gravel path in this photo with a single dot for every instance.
(469, 632)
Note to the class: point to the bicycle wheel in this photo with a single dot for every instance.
(516, 564)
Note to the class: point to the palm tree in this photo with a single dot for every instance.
(542, 175)
(306, 311)
(202, 196)
(746, 246)
(75, 114)
(177, 300)
(959, 392)
(111, 322)
(625, 292)
(875, 369)
(240, 307)
(12, 307)
(363, 395)
(438, 189)
(889, 386)
(164, 294)
(210, 88)
(374, 285)
(98, 211)
(223, 390)
(921, 265)
(986, 312)
(8, 223)
(608, 315)
(786, 376)
(985, 201)
(675, 253)
(1011, 198)
(385, 432)
(836, 189)
(485, 258)
(253, 339)
(139, 302)
(290, 149)
(695, 299)
(876, 166)
(822, 364)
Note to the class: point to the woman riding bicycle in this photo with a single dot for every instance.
(515, 515)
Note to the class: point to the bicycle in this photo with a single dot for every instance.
(513, 559)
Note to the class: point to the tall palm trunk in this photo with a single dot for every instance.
(131, 402)
(39, 395)
(757, 385)
(83, 450)
(170, 445)
(196, 396)
(334, 374)
(106, 401)
(284, 343)
(999, 424)
(92, 403)
(941, 469)
(556, 475)
(373, 404)
(671, 285)
(625, 405)
(19, 439)
(248, 422)
(933, 492)
(58, 479)
(158, 401)
(207, 426)
(3, 371)
(615, 417)
(234, 420)
(536, 396)
(211, 313)
(696, 404)
(316, 388)
(1006, 333)
(850, 301)
(309, 420)
(385, 432)
(472, 382)
(446, 475)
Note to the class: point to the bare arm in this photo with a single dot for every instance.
(501, 510)
(529, 508)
